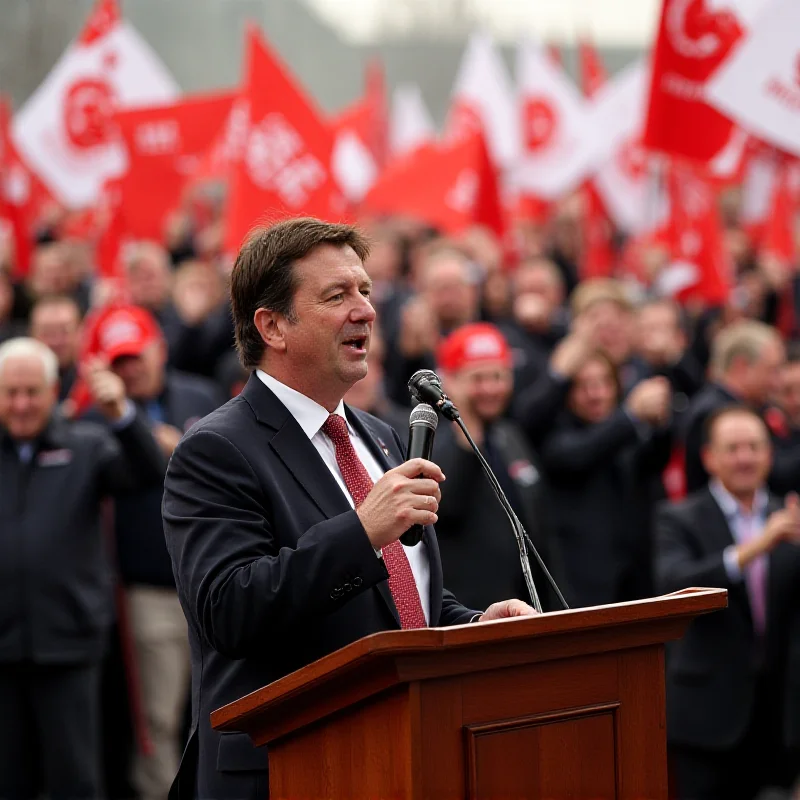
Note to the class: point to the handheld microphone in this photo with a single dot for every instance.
(421, 430)
(426, 387)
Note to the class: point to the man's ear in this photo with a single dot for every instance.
(270, 324)
(708, 459)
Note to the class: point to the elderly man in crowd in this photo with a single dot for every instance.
(56, 601)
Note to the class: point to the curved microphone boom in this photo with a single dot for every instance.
(421, 429)
(426, 387)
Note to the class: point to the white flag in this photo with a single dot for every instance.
(758, 85)
(557, 149)
(410, 123)
(65, 130)
(623, 177)
(483, 97)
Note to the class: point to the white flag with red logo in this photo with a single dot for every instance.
(623, 179)
(283, 167)
(165, 146)
(451, 185)
(694, 38)
(483, 98)
(65, 130)
(410, 122)
(759, 84)
(557, 145)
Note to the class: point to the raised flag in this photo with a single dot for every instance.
(699, 267)
(759, 84)
(283, 167)
(360, 134)
(694, 38)
(557, 145)
(165, 146)
(65, 131)
(410, 122)
(450, 185)
(483, 98)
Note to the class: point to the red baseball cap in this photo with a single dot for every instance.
(126, 331)
(478, 342)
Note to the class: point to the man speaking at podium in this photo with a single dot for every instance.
(283, 509)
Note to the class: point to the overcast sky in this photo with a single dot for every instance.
(608, 22)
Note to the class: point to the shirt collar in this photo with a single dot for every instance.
(730, 505)
(310, 415)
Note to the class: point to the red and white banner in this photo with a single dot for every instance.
(360, 132)
(694, 38)
(410, 124)
(623, 179)
(23, 197)
(759, 84)
(451, 185)
(165, 146)
(283, 169)
(483, 98)
(557, 145)
(699, 267)
(65, 130)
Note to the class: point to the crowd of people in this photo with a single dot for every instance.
(646, 447)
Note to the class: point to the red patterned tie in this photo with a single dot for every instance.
(358, 482)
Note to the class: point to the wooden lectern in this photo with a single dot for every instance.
(564, 705)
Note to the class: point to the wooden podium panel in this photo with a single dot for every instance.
(562, 705)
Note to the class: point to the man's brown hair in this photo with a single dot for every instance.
(263, 275)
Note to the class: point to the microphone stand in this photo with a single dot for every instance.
(523, 540)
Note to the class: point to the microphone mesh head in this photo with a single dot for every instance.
(423, 414)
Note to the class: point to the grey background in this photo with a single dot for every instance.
(200, 41)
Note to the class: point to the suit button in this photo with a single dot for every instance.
(348, 587)
(357, 582)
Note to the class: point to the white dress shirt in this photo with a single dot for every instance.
(741, 523)
(311, 417)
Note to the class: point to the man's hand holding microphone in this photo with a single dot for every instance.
(409, 495)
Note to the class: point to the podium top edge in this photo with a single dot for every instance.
(683, 604)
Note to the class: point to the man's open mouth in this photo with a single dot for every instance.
(357, 343)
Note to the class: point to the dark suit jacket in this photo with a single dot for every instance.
(712, 670)
(56, 599)
(480, 556)
(605, 480)
(273, 569)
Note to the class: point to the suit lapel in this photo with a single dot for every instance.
(295, 450)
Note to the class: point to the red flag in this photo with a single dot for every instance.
(598, 250)
(23, 197)
(779, 241)
(283, 169)
(368, 117)
(693, 40)
(699, 266)
(592, 69)
(779, 229)
(451, 185)
(361, 137)
(166, 144)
